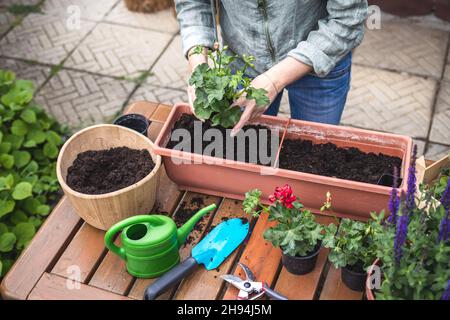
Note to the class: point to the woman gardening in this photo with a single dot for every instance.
(302, 46)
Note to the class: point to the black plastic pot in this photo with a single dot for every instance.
(301, 265)
(354, 280)
(134, 121)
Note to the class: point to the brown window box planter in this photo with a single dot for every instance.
(232, 179)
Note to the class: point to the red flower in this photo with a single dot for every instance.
(284, 195)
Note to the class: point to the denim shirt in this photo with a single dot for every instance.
(318, 33)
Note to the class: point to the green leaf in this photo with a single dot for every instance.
(18, 216)
(7, 161)
(37, 135)
(24, 232)
(7, 264)
(15, 141)
(50, 150)
(43, 210)
(29, 116)
(7, 241)
(6, 206)
(6, 183)
(20, 94)
(32, 167)
(259, 95)
(3, 228)
(21, 158)
(54, 138)
(5, 147)
(22, 191)
(1, 136)
(29, 144)
(19, 128)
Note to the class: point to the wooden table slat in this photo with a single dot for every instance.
(54, 287)
(80, 255)
(260, 256)
(304, 287)
(161, 113)
(41, 252)
(112, 274)
(142, 107)
(335, 289)
(204, 284)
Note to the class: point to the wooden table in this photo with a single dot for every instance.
(67, 258)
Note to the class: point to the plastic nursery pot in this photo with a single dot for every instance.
(133, 121)
(354, 280)
(301, 265)
(104, 210)
(370, 295)
(216, 176)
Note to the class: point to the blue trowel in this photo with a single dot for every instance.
(215, 247)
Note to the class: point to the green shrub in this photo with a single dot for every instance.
(29, 145)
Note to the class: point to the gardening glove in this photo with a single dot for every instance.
(251, 110)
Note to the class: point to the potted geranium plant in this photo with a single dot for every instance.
(413, 246)
(297, 233)
(352, 249)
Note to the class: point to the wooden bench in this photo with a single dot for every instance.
(66, 248)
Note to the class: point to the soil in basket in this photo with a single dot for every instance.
(332, 161)
(103, 171)
(187, 122)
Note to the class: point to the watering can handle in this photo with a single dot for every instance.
(110, 234)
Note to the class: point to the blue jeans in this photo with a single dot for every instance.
(318, 99)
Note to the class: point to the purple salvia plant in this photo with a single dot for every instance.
(394, 201)
(446, 294)
(445, 198)
(411, 189)
(400, 236)
(444, 227)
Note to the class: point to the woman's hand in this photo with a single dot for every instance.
(274, 81)
(251, 110)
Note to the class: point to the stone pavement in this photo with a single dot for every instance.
(87, 70)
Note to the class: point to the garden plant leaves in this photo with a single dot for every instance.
(29, 145)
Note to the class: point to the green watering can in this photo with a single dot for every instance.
(150, 243)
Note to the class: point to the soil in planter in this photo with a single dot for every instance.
(332, 161)
(103, 171)
(187, 122)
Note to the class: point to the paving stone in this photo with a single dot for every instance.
(43, 38)
(447, 68)
(88, 9)
(440, 129)
(164, 20)
(118, 50)
(26, 71)
(388, 101)
(404, 47)
(172, 69)
(79, 99)
(436, 151)
(162, 95)
(6, 19)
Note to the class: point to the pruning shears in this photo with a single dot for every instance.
(250, 289)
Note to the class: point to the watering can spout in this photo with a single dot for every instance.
(184, 230)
